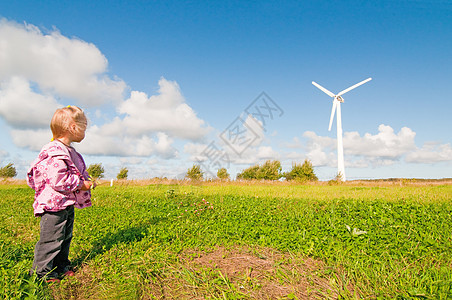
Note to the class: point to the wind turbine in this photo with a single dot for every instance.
(337, 100)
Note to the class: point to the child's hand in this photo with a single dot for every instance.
(87, 185)
(93, 181)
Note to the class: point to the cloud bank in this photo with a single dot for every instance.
(61, 66)
(384, 148)
(40, 70)
(166, 112)
(147, 125)
(431, 153)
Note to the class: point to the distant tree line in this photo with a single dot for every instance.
(270, 170)
(96, 171)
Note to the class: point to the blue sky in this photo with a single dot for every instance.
(162, 80)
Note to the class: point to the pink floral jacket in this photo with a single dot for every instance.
(57, 177)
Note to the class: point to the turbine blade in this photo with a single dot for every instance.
(323, 89)
(333, 110)
(354, 86)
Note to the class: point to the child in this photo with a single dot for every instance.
(61, 182)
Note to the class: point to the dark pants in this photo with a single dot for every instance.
(52, 249)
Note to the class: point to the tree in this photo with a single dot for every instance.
(249, 173)
(308, 170)
(223, 174)
(122, 173)
(195, 173)
(304, 172)
(8, 171)
(96, 171)
(270, 170)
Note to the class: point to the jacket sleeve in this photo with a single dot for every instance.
(62, 175)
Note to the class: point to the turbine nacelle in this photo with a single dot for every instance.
(339, 98)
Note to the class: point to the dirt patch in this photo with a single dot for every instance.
(82, 286)
(224, 272)
(245, 273)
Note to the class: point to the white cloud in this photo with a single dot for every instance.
(431, 153)
(147, 125)
(384, 148)
(318, 157)
(267, 153)
(31, 138)
(315, 141)
(23, 108)
(254, 130)
(68, 68)
(166, 112)
(385, 144)
(320, 149)
(197, 151)
(39, 68)
(98, 143)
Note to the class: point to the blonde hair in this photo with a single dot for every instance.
(64, 117)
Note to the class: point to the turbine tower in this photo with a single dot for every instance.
(337, 100)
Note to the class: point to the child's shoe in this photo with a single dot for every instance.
(52, 280)
(69, 273)
(66, 271)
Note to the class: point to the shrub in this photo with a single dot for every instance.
(223, 174)
(270, 170)
(96, 171)
(304, 172)
(123, 173)
(195, 173)
(8, 171)
(249, 173)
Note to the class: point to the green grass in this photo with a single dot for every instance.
(374, 242)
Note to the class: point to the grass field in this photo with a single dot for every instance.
(241, 241)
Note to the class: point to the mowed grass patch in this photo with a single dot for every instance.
(148, 242)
